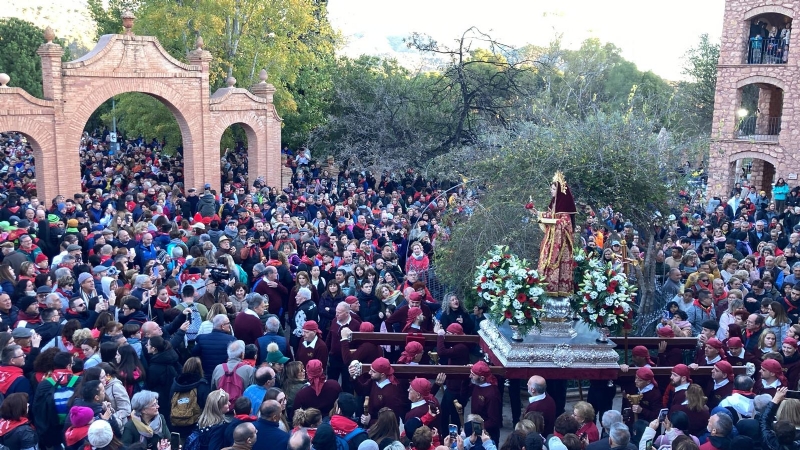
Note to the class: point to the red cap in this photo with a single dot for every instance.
(641, 351)
(666, 332)
(683, 371)
(726, 368)
(311, 325)
(415, 297)
(382, 365)
(645, 374)
(481, 369)
(351, 299)
(735, 342)
(411, 351)
(714, 343)
(456, 328)
(773, 366)
(423, 387)
(316, 375)
(41, 257)
(790, 341)
(366, 327)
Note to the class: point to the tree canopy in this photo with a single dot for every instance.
(19, 40)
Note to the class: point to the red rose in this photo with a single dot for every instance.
(508, 314)
(610, 289)
(483, 279)
(521, 297)
(494, 264)
(528, 314)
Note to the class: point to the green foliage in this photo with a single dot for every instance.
(142, 115)
(109, 18)
(608, 159)
(19, 40)
(701, 68)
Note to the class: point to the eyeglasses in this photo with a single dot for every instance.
(19, 356)
(81, 305)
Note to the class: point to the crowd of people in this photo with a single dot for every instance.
(141, 313)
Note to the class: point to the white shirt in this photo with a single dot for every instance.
(774, 384)
(682, 387)
(417, 403)
(311, 344)
(536, 398)
(382, 384)
(711, 362)
(646, 389)
(720, 384)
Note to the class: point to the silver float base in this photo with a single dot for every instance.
(554, 347)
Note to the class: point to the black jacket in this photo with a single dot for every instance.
(768, 437)
(369, 308)
(20, 437)
(164, 368)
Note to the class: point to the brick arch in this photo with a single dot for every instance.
(172, 99)
(769, 9)
(760, 79)
(39, 137)
(255, 128)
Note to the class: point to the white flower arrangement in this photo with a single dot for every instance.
(603, 299)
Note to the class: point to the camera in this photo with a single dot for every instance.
(219, 273)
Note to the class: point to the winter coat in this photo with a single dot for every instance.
(130, 435)
(212, 348)
(163, 369)
(207, 206)
(18, 434)
(369, 308)
(117, 395)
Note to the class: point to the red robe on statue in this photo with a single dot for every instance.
(556, 261)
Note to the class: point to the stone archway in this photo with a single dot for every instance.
(122, 63)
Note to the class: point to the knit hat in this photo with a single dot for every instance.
(423, 388)
(411, 351)
(351, 299)
(83, 277)
(52, 218)
(274, 354)
(455, 328)
(482, 369)
(26, 301)
(726, 368)
(682, 370)
(324, 437)
(316, 375)
(666, 332)
(72, 223)
(366, 327)
(80, 416)
(368, 444)
(100, 434)
(41, 257)
(382, 365)
(790, 341)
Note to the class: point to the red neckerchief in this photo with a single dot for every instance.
(8, 375)
(748, 333)
(162, 304)
(26, 350)
(700, 305)
(245, 417)
(747, 394)
(250, 362)
(7, 426)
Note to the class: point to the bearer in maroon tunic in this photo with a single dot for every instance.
(383, 390)
(680, 381)
(771, 378)
(738, 356)
(366, 353)
(791, 361)
(419, 394)
(397, 321)
(457, 355)
(721, 385)
(712, 352)
(485, 399)
(320, 393)
(541, 402)
(668, 357)
(650, 404)
(312, 346)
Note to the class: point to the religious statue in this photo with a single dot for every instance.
(556, 259)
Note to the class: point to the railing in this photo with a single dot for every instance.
(767, 51)
(761, 128)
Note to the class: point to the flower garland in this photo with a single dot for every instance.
(512, 289)
(603, 299)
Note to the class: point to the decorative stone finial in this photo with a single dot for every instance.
(263, 75)
(4, 79)
(198, 43)
(127, 22)
(230, 82)
(49, 35)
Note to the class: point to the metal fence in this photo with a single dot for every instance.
(768, 51)
(758, 128)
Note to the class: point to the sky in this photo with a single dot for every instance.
(653, 34)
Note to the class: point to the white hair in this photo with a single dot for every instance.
(235, 349)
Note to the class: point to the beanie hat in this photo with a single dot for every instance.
(100, 434)
(25, 302)
(41, 257)
(83, 277)
(72, 223)
(80, 416)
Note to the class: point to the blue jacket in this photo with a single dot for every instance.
(270, 437)
(212, 348)
(264, 341)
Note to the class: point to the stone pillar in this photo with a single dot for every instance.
(51, 66)
(199, 159)
(267, 162)
(757, 174)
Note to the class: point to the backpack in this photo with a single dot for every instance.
(343, 443)
(232, 383)
(184, 409)
(198, 440)
(50, 407)
(61, 396)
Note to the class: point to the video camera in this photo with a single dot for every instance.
(219, 273)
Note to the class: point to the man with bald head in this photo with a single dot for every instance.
(267, 426)
(541, 402)
(245, 436)
(145, 252)
(300, 441)
(263, 380)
